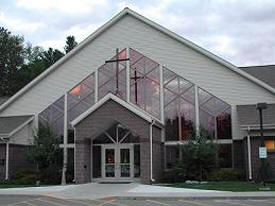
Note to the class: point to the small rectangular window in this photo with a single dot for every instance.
(270, 145)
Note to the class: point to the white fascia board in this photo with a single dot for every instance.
(18, 128)
(184, 142)
(257, 127)
(64, 59)
(153, 25)
(119, 101)
(200, 50)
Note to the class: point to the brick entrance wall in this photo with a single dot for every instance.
(255, 160)
(97, 122)
(3, 161)
(17, 159)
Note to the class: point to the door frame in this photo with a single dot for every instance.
(117, 147)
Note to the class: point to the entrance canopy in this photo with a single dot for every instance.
(111, 97)
(118, 151)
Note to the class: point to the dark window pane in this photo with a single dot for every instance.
(172, 156)
(225, 156)
(96, 161)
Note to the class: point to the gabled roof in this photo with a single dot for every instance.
(12, 124)
(265, 73)
(154, 25)
(144, 115)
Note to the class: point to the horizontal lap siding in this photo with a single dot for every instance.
(129, 32)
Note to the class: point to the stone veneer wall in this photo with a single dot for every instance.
(2, 157)
(256, 162)
(102, 118)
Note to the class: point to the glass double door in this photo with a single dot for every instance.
(117, 161)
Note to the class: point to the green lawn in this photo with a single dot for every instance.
(7, 185)
(224, 186)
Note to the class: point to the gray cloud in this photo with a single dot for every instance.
(241, 32)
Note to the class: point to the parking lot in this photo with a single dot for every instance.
(8, 200)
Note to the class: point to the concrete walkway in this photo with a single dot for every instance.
(129, 191)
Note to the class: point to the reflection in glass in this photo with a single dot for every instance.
(53, 116)
(179, 109)
(81, 97)
(215, 116)
(111, 80)
(144, 83)
(125, 163)
(110, 163)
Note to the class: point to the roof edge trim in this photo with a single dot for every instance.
(123, 103)
(150, 23)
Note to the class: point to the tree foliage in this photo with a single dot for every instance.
(12, 56)
(20, 63)
(47, 155)
(199, 156)
(70, 44)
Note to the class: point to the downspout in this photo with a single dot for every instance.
(151, 151)
(7, 160)
(7, 156)
(249, 154)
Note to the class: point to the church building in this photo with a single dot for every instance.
(126, 97)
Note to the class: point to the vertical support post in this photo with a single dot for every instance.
(128, 73)
(197, 110)
(91, 160)
(249, 154)
(65, 140)
(117, 70)
(151, 151)
(96, 85)
(74, 155)
(216, 129)
(161, 93)
(7, 160)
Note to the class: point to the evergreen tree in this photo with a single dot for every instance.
(12, 55)
(70, 44)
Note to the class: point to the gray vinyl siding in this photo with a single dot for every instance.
(130, 32)
(24, 136)
(248, 115)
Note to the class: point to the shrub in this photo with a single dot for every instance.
(225, 175)
(25, 176)
(264, 172)
(176, 174)
(47, 155)
(198, 157)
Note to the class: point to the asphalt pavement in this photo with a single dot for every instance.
(21, 200)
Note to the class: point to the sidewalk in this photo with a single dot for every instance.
(131, 191)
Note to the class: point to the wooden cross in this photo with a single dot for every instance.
(135, 78)
(117, 60)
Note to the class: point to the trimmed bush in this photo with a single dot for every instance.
(174, 175)
(225, 175)
(25, 176)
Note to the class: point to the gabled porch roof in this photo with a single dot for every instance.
(143, 114)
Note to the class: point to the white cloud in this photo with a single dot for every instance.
(19, 24)
(66, 6)
(56, 44)
(223, 45)
(81, 31)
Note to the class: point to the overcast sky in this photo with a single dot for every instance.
(242, 32)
